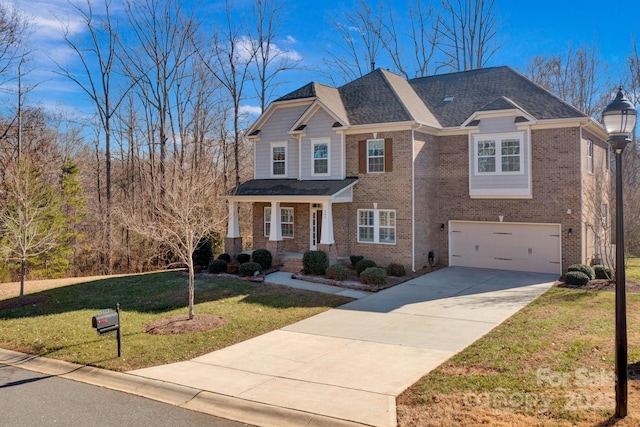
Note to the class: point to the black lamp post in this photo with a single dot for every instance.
(619, 119)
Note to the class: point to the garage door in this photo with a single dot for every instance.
(505, 246)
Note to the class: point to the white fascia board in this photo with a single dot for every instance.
(271, 108)
(514, 112)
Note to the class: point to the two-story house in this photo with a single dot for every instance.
(480, 168)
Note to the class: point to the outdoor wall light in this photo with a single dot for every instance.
(441, 227)
(570, 231)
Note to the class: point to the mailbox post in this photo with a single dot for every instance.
(108, 321)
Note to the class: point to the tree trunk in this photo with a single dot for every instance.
(22, 268)
(191, 289)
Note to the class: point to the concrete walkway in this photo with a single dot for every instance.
(347, 365)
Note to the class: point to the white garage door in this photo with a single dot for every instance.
(505, 246)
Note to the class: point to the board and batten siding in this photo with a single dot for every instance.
(320, 127)
(500, 185)
(276, 129)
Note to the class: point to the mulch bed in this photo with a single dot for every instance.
(603, 285)
(180, 324)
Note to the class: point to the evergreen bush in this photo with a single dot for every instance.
(602, 272)
(249, 269)
(315, 262)
(396, 270)
(233, 267)
(338, 272)
(355, 258)
(363, 264)
(225, 257)
(374, 276)
(587, 270)
(242, 258)
(217, 266)
(262, 257)
(576, 278)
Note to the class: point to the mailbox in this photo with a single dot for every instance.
(108, 321)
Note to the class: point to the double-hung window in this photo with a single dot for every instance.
(321, 158)
(375, 155)
(590, 156)
(279, 160)
(286, 222)
(377, 226)
(499, 155)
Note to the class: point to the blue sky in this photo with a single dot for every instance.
(527, 29)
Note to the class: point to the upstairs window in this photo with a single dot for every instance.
(279, 160)
(590, 156)
(321, 158)
(375, 156)
(498, 155)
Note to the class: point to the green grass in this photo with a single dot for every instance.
(632, 269)
(60, 327)
(566, 333)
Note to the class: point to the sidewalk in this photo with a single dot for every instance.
(343, 367)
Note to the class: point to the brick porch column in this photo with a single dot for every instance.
(275, 245)
(233, 241)
(327, 242)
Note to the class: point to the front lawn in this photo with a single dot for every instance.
(60, 326)
(550, 364)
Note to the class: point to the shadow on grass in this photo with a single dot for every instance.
(158, 293)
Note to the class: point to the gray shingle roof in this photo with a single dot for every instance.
(473, 90)
(292, 187)
(373, 98)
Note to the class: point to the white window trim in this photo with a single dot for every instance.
(589, 156)
(498, 138)
(384, 166)
(286, 157)
(315, 142)
(265, 222)
(376, 226)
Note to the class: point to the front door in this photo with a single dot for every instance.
(316, 228)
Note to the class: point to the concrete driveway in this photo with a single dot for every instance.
(347, 365)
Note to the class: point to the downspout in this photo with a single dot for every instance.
(299, 137)
(413, 198)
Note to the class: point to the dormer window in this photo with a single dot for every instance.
(498, 154)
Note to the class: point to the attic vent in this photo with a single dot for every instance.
(447, 98)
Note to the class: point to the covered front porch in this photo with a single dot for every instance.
(291, 217)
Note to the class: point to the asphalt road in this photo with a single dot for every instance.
(32, 399)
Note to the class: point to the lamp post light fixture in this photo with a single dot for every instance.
(619, 119)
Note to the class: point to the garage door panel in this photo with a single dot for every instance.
(506, 246)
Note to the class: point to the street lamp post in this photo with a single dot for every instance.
(619, 119)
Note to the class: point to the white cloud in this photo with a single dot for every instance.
(250, 110)
(245, 45)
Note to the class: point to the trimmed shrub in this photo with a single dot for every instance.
(249, 269)
(587, 270)
(315, 262)
(363, 264)
(374, 276)
(338, 272)
(262, 257)
(217, 266)
(242, 258)
(233, 267)
(355, 258)
(576, 278)
(603, 272)
(396, 270)
(225, 257)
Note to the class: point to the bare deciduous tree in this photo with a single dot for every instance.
(188, 212)
(467, 33)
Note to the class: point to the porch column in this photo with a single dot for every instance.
(233, 241)
(275, 245)
(327, 243)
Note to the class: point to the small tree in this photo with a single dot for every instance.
(33, 222)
